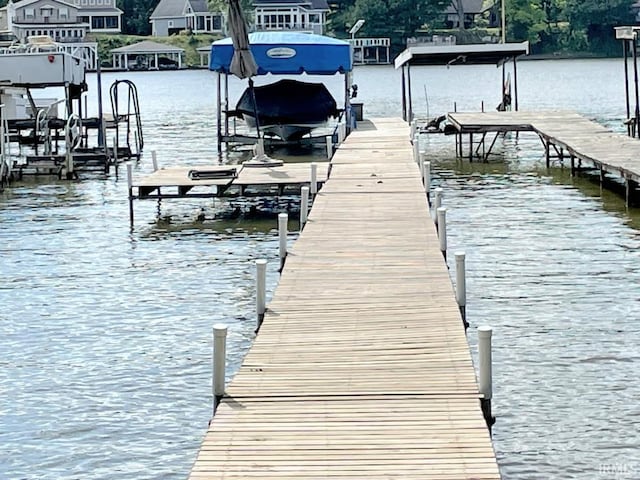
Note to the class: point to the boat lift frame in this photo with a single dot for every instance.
(273, 54)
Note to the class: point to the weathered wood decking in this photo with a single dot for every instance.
(578, 138)
(361, 368)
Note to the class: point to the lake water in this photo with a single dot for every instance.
(106, 330)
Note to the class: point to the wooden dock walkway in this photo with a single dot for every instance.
(361, 368)
(570, 135)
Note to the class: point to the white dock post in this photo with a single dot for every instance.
(416, 148)
(313, 186)
(485, 376)
(261, 290)
(283, 220)
(329, 140)
(426, 177)
(461, 286)
(304, 206)
(154, 160)
(130, 189)
(437, 202)
(414, 127)
(442, 229)
(341, 135)
(219, 362)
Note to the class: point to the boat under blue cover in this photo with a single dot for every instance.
(288, 108)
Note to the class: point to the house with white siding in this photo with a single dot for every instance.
(56, 18)
(63, 20)
(297, 15)
(102, 16)
(173, 16)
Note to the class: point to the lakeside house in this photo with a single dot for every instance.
(63, 21)
(291, 15)
(172, 16)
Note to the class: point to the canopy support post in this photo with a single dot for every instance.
(409, 93)
(219, 117)
(515, 82)
(404, 97)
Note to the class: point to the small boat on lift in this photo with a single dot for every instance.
(288, 109)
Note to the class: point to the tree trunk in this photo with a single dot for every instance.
(459, 6)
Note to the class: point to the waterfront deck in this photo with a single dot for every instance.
(361, 368)
(570, 135)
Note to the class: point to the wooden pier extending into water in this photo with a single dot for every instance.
(565, 135)
(361, 368)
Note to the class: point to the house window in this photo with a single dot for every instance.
(97, 23)
(170, 23)
(314, 18)
(111, 22)
(46, 12)
(29, 13)
(63, 12)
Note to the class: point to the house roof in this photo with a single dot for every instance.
(199, 5)
(176, 8)
(148, 46)
(314, 4)
(26, 3)
(469, 6)
(168, 8)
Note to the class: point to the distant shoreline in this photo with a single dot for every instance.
(566, 56)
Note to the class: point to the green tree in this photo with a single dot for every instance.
(597, 19)
(341, 17)
(397, 19)
(525, 19)
(3, 3)
(135, 19)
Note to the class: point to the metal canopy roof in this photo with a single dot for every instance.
(287, 53)
(460, 54)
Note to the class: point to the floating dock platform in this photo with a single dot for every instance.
(226, 181)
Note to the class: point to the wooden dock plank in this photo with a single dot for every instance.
(361, 368)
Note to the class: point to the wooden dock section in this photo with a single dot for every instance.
(224, 181)
(361, 368)
(568, 134)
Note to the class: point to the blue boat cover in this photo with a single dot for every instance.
(290, 53)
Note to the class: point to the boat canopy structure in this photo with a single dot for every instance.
(288, 53)
(280, 53)
(438, 54)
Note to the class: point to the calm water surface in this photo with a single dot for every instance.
(105, 331)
